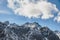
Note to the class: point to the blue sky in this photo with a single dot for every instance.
(7, 13)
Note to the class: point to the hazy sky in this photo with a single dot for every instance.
(45, 12)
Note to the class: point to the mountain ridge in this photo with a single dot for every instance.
(27, 31)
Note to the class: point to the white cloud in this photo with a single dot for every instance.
(41, 9)
(57, 18)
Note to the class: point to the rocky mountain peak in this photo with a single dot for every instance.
(27, 31)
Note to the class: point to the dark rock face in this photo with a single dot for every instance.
(53, 37)
(46, 32)
(37, 36)
(2, 33)
(16, 32)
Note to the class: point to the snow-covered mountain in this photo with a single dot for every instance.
(27, 31)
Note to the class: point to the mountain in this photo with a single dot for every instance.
(57, 33)
(27, 31)
(33, 25)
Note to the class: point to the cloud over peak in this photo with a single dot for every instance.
(33, 9)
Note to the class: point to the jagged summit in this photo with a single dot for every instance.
(27, 31)
(31, 25)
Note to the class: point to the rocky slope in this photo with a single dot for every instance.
(27, 31)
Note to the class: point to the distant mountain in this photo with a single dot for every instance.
(27, 31)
